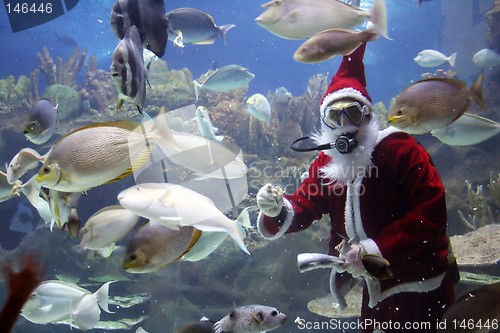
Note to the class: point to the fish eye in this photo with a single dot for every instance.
(400, 112)
(133, 257)
(274, 313)
(46, 169)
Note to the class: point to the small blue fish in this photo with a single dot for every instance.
(41, 122)
(225, 79)
(205, 126)
(190, 25)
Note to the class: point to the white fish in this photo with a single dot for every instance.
(258, 106)
(107, 226)
(433, 58)
(225, 79)
(31, 189)
(468, 129)
(486, 58)
(299, 19)
(25, 160)
(174, 205)
(253, 318)
(61, 205)
(208, 159)
(56, 301)
(205, 126)
(8, 190)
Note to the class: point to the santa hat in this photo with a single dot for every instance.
(349, 82)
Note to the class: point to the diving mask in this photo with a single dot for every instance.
(353, 111)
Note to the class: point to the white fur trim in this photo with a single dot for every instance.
(284, 227)
(376, 295)
(344, 93)
(386, 132)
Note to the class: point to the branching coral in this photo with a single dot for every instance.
(60, 72)
(481, 212)
(21, 93)
(494, 187)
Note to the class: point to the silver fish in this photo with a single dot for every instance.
(128, 73)
(258, 106)
(41, 122)
(253, 318)
(172, 205)
(433, 58)
(332, 42)
(300, 19)
(149, 18)
(469, 129)
(205, 126)
(106, 227)
(486, 58)
(56, 301)
(225, 79)
(431, 104)
(154, 246)
(193, 26)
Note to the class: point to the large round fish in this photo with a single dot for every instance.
(41, 122)
(225, 79)
(193, 26)
(431, 104)
(176, 206)
(90, 156)
(332, 42)
(299, 19)
(154, 246)
(149, 18)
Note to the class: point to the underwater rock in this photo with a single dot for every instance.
(67, 99)
(98, 88)
(481, 212)
(480, 247)
(172, 89)
(477, 278)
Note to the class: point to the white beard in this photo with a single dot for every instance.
(344, 168)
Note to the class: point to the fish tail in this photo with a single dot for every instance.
(102, 296)
(452, 58)
(238, 234)
(477, 92)
(378, 16)
(224, 29)
(197, 88)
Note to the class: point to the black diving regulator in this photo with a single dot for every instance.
(345, 144)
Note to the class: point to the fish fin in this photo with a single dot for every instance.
(244, 218)
(206, 41)
(107, 250)
(354, 49)
(197, 87)
(178, 41)
(102, 296)
(292, 16)
(46, 308)
(268, 4)
(194, 239)
(169, 222)
(452, 58)
(223, 31)
(219, 138)
(378, 16)
(119, 103)
(477, 92)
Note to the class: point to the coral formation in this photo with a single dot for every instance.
(66, 98)
(98, 89)
(59, 72)
(481, 212)
(21, 93)
(494, 187)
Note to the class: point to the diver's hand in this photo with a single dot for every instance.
(353, 263)
(270, 200)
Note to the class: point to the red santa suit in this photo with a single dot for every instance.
(393, 205)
